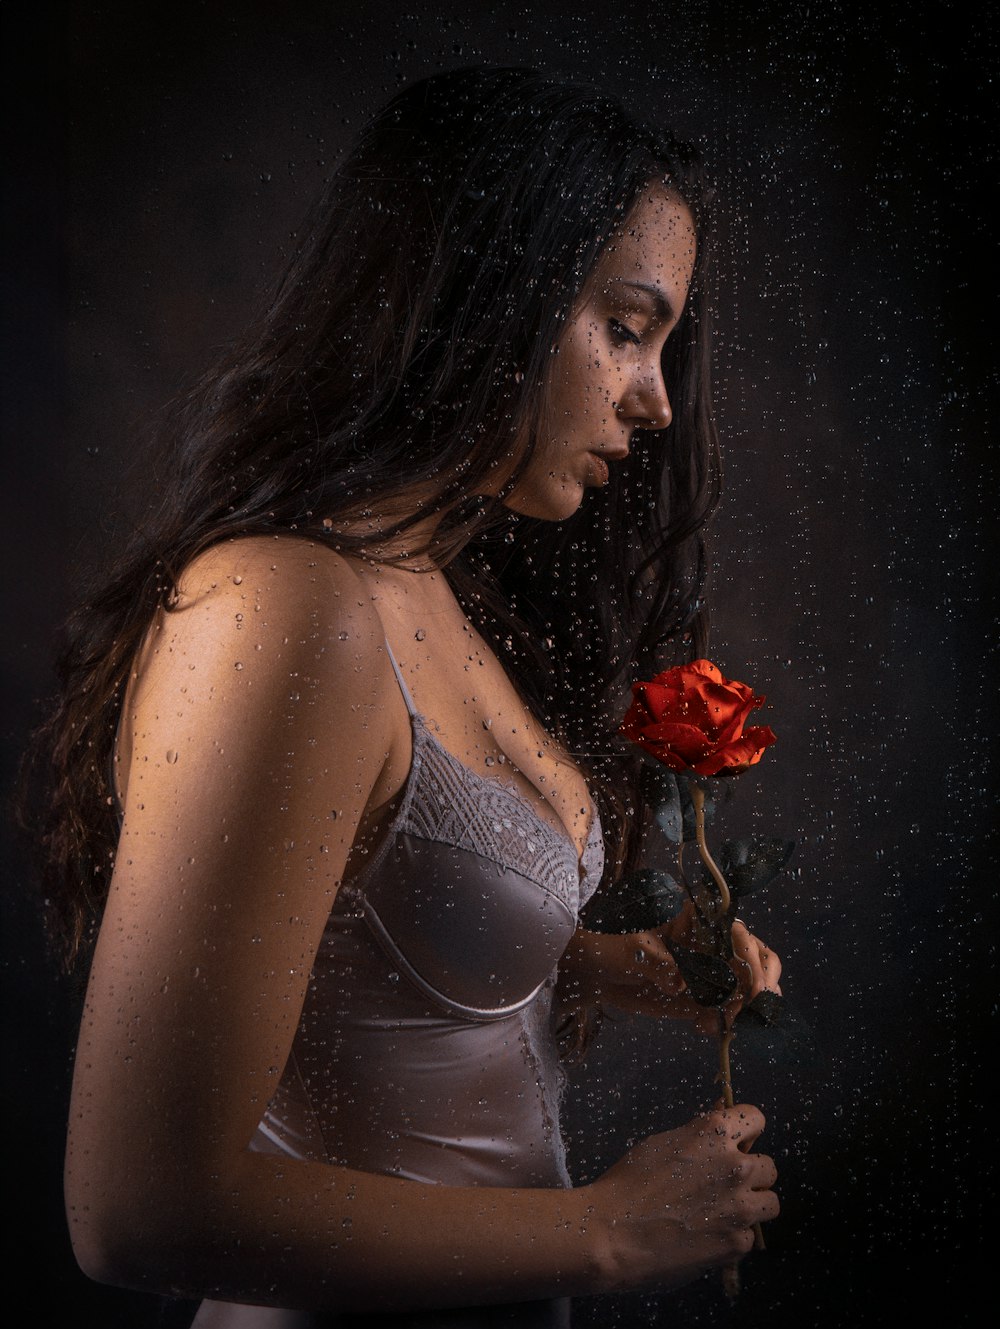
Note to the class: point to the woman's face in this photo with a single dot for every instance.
(607, 372)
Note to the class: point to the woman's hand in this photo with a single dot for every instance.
(685, 1201)
(636, 972)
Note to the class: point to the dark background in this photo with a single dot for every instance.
(160, 160)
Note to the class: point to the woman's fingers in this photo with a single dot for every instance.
(657, 987)
(756, 966)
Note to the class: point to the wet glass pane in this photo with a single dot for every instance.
(162, 181)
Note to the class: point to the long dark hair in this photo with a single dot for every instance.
(404, 356)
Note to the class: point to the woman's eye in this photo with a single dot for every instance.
(622, 333)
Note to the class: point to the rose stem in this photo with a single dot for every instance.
(731, 1281)
(725, 1034)
(725, 1075)
(698, 799)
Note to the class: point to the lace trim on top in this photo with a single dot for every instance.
(453, 804)
(445, 800)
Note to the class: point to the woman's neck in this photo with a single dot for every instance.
(412, 548)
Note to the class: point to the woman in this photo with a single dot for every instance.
(343, 726)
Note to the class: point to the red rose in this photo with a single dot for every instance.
(691, 719)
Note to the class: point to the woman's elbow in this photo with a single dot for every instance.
(124, 1250)
(123, 1234)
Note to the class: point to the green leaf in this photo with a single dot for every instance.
(751, 863)
(669, 795)
(769, 1024)
(766, 1008)
(709, 978)
(670, 819)
(645, 899)
(660, 788)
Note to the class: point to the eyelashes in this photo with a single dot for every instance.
(623, 334)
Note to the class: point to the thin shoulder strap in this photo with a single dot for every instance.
(400, 680)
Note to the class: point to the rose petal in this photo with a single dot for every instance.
(686, 740)
(692, 717)
(658, 698)
(704, 667)
(738, 756)
(719, 712)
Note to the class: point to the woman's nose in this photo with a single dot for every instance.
(647, 403)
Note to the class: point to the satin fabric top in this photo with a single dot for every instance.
(425, 1048)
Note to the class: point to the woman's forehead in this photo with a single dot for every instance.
(655, 247)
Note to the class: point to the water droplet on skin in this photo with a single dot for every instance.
(342, 636)
(237, 581)
(238, 664)
(172, 756)
(420, 634)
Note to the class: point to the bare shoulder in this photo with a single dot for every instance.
(293, 582)
(272, 644)
(262, 606)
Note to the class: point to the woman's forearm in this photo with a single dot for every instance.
(580, 969)
(304, 1235)
(632, 972)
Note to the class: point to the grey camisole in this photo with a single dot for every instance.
(426, 1048)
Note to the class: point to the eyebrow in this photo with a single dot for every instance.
(664, 308)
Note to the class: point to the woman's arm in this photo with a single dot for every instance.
(263, 722)
(636, 973)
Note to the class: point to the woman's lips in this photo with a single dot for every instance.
(599, 469)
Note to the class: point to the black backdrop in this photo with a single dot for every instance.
(160, 160)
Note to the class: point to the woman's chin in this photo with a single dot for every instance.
(554, 502)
